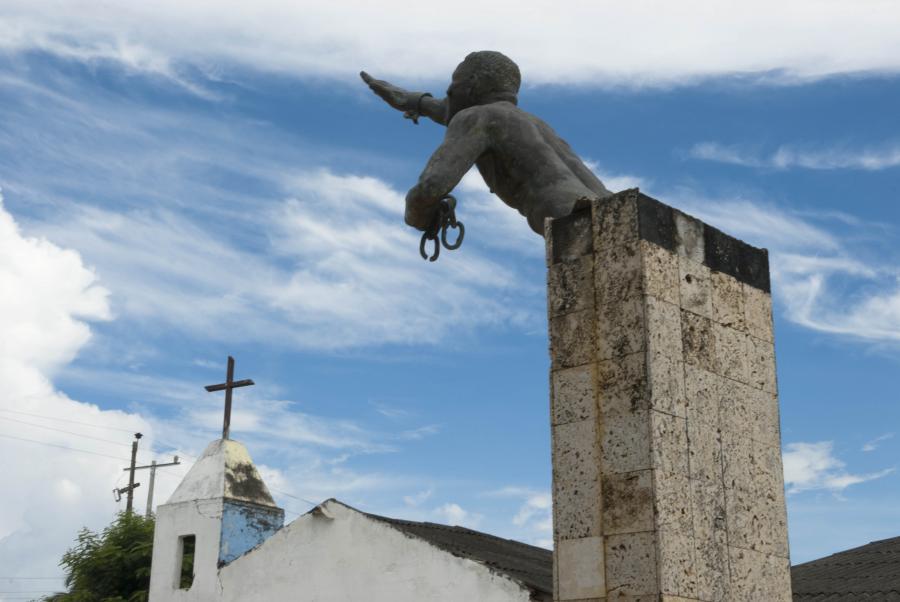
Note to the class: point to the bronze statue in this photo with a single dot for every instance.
(521, 158)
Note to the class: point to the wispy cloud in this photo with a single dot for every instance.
(811, 466)
(788, 157)
(872, 445)
(589, 44)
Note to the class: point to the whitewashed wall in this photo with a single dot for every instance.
(354, 557)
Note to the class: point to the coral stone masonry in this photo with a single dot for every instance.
(667, 475)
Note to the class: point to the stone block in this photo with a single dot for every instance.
(731, 353)
(761, 364)
(663, 324)
(710, 540)
(622, 384)
(672, 503)
(570, 286)
(669, 442)
(625, 442)
(695, 287)
(698, 341)
(777, 579)
(631, 565)
(770, 506)
(728, 301)
(677, 574)
(767, 428)
(620, 328)
(572, 339)
(576, 480)
(738, 461)
(704, 451)
(570, 237)
(660, 273)
(581, 568)
(701, 395)
(745, 524)
(689, 237)
(665, 379)
(615, 220)
(738, 408)
(619, 274)
(758, 313)
(627, 502)
(748, 575)
(574, 394)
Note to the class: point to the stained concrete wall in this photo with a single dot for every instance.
(667, 476)
(351, 556)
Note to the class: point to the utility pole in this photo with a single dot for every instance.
(130, 500)
(153, 466)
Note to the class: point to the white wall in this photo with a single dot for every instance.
(353, 558)
(203, 519)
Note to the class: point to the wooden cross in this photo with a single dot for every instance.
(228, 386)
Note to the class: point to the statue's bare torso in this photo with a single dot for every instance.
(530, 167)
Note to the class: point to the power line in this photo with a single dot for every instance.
(50, 428)
(84, 451)
(94, 425)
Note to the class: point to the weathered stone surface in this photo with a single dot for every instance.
(572, 339)
(701, 395)
(570, 286)
(696, 287)
(738, 461)
(777, 577)
(731, 353)
(704, 451)
(574, 394)
(622, 384)
(710, 541)
(672, 502)
(698, 341)
(631, 565)
(663, 326)
(689, 237)
(756, 576)
(620, 276)
(581, 568)
(677, 574)
(625, 441)
(758, 313)
(660, 273)
(665, 379)
(615, 221)
(669, 443)
(728, 301)
(627, 502)
(769, 485)
(620, 328)
(761, 364)
(576, 480)
(572, 237)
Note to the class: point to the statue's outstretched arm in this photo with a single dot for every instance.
(418, 103)
(466, 140)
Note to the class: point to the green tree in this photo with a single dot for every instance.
(111, 566)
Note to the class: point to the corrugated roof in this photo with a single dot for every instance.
(867, 573)
(530, 565)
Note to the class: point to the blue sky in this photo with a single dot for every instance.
(166, 204)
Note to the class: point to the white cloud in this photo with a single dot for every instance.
(535, 514)
(418, 499)
(872, 445)
(810, 466)
(454, 514)
(72, 453)
(787, 157)
(583, 42)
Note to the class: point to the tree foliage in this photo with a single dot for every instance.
(111, 566)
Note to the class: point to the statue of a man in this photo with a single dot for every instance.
(521, 158)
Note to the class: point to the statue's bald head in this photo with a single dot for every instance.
(484, 77)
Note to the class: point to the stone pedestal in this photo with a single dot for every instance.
(667, 476)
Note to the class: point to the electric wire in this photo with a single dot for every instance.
(93, 425)
(50, 428)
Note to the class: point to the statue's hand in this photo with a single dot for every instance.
(391, 94)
